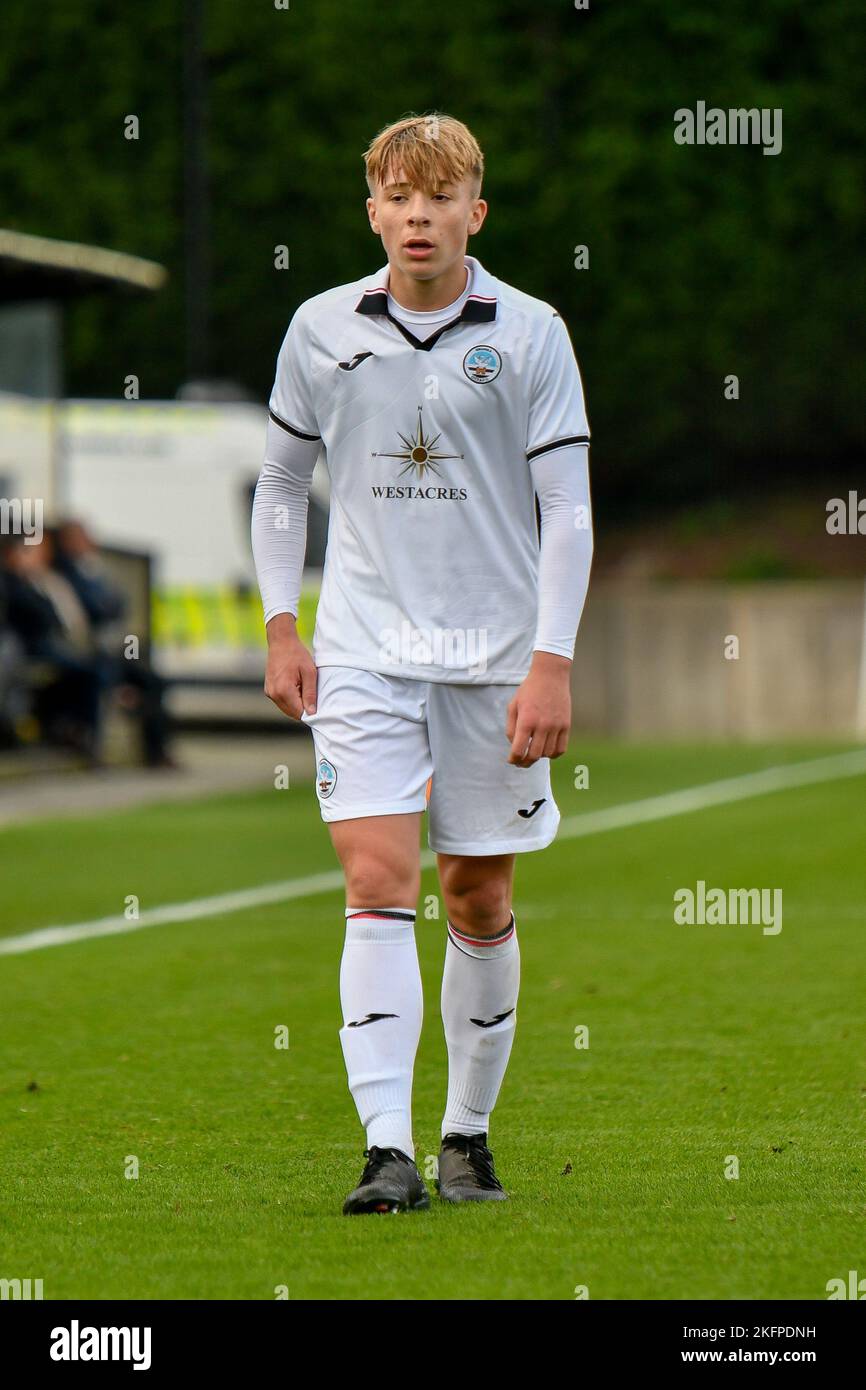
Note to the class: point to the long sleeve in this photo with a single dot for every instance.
(279, 519)
(561, 480)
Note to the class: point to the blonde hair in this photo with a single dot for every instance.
(431, 149)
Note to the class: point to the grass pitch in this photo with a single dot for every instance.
(705, 1043)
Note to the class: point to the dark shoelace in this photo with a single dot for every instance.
(376, 1160)
(480, 1159)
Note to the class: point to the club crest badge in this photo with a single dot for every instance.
(326, 779)
(482, 363)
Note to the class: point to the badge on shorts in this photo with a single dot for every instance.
(327, 778)
(482, 363)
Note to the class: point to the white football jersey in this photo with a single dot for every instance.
(431, 567)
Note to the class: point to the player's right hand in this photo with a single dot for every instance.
(291, 676)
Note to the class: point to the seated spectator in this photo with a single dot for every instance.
(78, 562)
(43, 611)
(14, 698)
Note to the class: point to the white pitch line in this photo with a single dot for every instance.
(652, 808)
(771, 779)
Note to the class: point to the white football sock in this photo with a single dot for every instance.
(480, 985)
(380, 992)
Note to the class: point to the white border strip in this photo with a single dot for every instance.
(652, 808)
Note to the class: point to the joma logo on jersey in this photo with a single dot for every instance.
(482, 363)
(419, 455)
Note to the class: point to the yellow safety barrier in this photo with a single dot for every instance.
(221, 617)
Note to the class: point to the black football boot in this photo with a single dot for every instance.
(466, 1172)
(390, 1182)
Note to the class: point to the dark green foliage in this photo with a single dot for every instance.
(704, 261)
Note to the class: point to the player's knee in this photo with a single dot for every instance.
(482, 909)
(381, 881)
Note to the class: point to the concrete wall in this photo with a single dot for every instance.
(650, 660)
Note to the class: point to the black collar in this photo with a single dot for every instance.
(477, 309)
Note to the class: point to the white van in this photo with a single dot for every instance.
(174, 479)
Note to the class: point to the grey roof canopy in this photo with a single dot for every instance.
(36, 267)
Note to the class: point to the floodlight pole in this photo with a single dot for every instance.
(196, 189)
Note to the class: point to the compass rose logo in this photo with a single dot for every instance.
(419, 453)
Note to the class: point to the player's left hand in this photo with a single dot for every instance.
(539, 716)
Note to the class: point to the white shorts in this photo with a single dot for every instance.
(387, 745)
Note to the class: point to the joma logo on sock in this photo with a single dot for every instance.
(21, 1288)
(371, 1018)
(715, 907)
(491, 1022)
(75, 1343)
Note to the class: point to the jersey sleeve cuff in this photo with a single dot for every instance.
(275, 609)
(563, 443)
(556, 648)
(291, 429)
